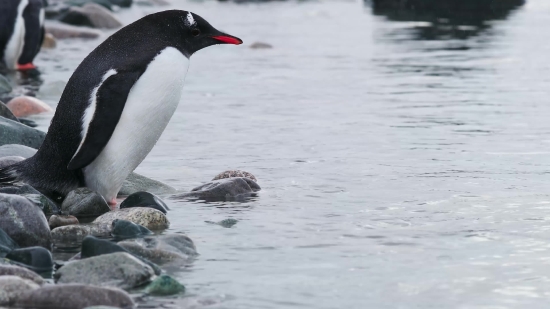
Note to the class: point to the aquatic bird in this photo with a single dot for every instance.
(21, 32)
(116, 105)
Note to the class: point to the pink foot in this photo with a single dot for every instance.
(112, 203)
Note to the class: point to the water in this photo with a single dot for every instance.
(404, 164)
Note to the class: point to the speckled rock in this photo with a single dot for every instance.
(120, 269)
(74, 296)
(123, 229)
(16, 150)
(235, 188)
(147, 217)
(91, 15)
(5, 86)
(162, 249)
(72, 236)
(25, 223)
(136, 183)
(13, 270)
(61, 220)
(164, 285)
(7, 161)
(235, 173)
(83, 202)
(13, 287)
(13, 132)
(144, 199)
(24, 106)
(36, 259)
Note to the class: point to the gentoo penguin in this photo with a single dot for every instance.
(21, 32)
(116, 105)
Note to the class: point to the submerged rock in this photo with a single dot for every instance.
(83, 202)
(13, 270)
(13, 132)
(61, 220)
(235, 188)
(260, 45)
(136, 183)
(13, 287)
(165, 285)
(91, 15)
(37, 259)
(25, 223)
(10, 150)
(227, 223)
(162, 249)
(147, 217)
(123, 229)
(6, 243)
(7, 161)
(144, 199)
(235, 173)
(74, 296)
(119, 269)
(25, 106)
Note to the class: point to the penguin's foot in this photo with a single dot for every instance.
(26, 66)
(112, 203)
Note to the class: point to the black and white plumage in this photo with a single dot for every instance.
(21, 32)
(116, 105)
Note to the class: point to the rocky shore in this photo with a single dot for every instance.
(119, 254)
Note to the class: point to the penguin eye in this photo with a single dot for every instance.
(195, 32)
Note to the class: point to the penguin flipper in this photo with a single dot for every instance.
(110, 100)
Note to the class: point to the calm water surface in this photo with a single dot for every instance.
(404, 164)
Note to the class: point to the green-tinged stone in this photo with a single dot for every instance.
(165, 285)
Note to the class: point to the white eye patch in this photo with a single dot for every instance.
(190, 21)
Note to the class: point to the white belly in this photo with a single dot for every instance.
(14, 48)
(151, 103)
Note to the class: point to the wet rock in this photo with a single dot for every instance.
(83, 202)
(13, 270)
(74, 296)
(122, 3)
(91, 15)
(235, 173)
(147, 217)
(25, 223)
(104, 3)
(28, 122)
(49, 41)
(10, 150)
(25, 106)
(118, 269)
(136, 183)
(72, 236)
(6, 243)
(61, 220)
(165, 285)
(7, 161)
(36, 259)
(61, 31)
(235, 188)
(13, 132)
(33, 195)
(144, 199)
(5, 86)
(123, 229)
(162, 249)
(227, 223)
(260, 45)
(6, 112)
(12, 287)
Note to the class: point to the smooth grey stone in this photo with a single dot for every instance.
(136, 183)
(91, 15)
(104, 3)
(83, 202)
(28, 122)
(64, 31)
(7, 161)
(13, 270)
(37, 259)
(147, 217)
(144, 199)
(12, 132)
(5, 86)
(164, 285)
(234, 188)
(11, 150)
(34, 196)
(13, 287)
(120, 269)
(6, 244)
(72, 236)
(6, 112)
(61, 220)
(25, 223)
(74, 296)
(123, 229)
(162, 249)
(122, 3)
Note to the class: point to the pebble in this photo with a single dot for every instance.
(7, 161)
(120, 269)
(5, 86)
(235, 173)
(83, 202)
(16, 150)
(62, 31)
(235, 188)
(164, 285)
(61, 220)
(49, 41)
(37, 259)
(147, 217)
(24, 106)
(75, 296)
(25, 223)
(123, 229)
(91, 15)
(136, 183)
(13, 270)
(72, 236)
(260, 45)
(162, 249)
(144, 199)
(13, 132)
(13, 287)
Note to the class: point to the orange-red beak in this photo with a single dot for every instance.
(228, 39)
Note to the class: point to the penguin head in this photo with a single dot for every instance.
(195, 33)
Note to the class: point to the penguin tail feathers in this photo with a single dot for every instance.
(8, 175)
